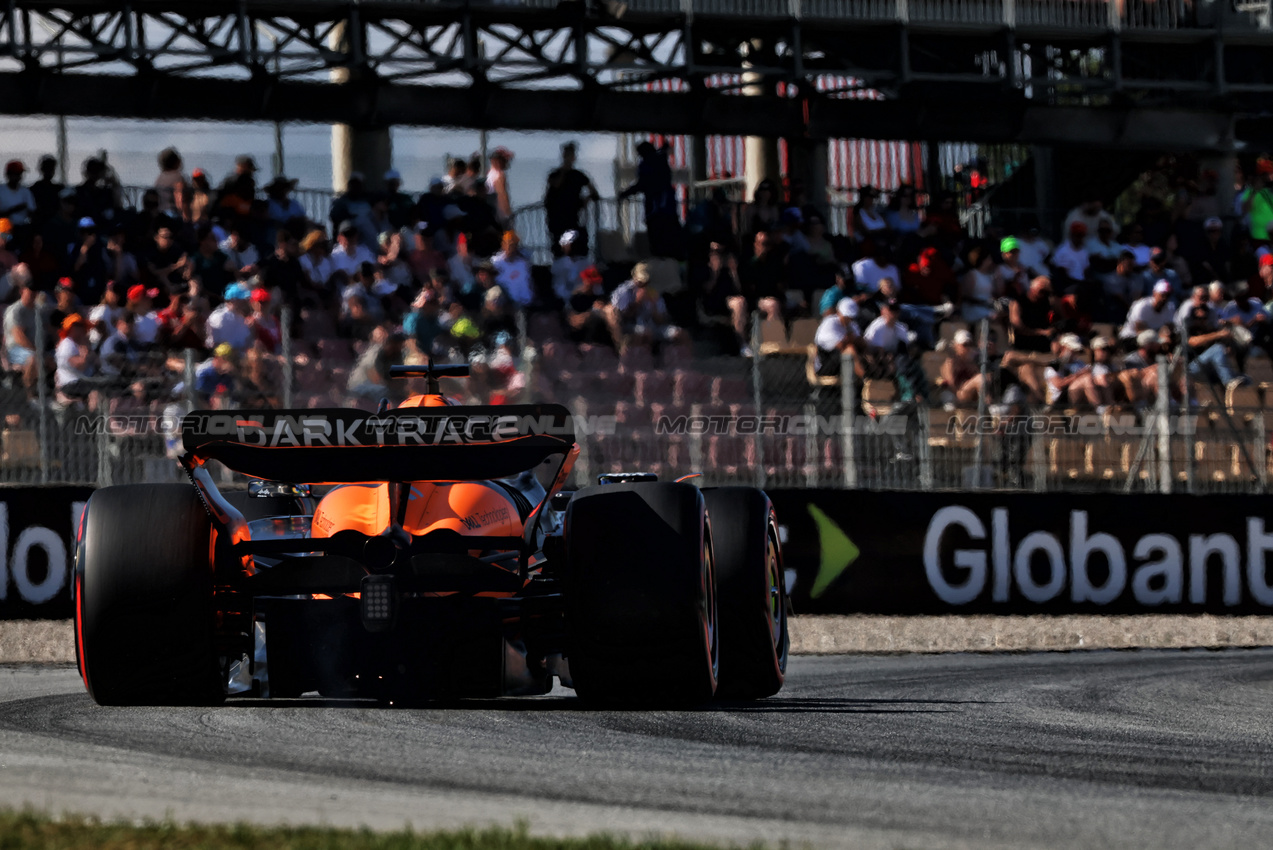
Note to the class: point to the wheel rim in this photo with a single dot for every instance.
(777, 610)
(709, 607)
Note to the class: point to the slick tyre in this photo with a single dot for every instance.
(750, 592)
(143, 598)
(641, 595)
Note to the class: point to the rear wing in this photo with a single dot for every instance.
(340, 446)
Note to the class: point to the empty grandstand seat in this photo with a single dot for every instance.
(773, 336)
(801, 336)
(677, 354)
(333, 350)
(811, 370)
(599, 358)
(689, 386)
(544, 326)
(931, 362)
(879, 392)
(1243, 400)
(651, 387)
(730, 389)
(1259, 368)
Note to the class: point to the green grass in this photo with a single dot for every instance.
(27, 830)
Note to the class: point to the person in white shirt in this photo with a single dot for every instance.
(16, 201)
(567, 267)
(1069, 378)
(887, 340)
(837, 333)
(241, 253)
(868, 270)
(1071, 257)
(1149, 313)
(141, 303)
(1035, 250)
(512, 271)
(315, 261)
(76, 361)
(228, 323)
(1090, 214)
(349, 253)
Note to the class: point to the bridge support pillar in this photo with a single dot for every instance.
(367, 150)
(807, 164)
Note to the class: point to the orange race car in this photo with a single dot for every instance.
(443, 560)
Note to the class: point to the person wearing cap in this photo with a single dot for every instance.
(1069, 379)
(1036, 251)
(65, 303)
(141, 302)
(1245, 312)
(238, 189)
(429, 210)
(350, 252)
(282, 210)
(218, 375)
(585, 311)
(17, 203)
(567, 195)
(90, 267)
(46, 192)
(76, 361)
(928, 280)
(960, 372)
(1150, 312)
(1139, 376)
(1210, 259)
(1070, 260)
(497, 185)
(1012, 278)
(886, 346)
(638, 315)
(229, 323)
(837, 333)
(570, 262)
(120, 352)
(790, 225)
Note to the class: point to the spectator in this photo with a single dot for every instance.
(171, 185)
(240, 251)
(20, 320)
(638, 314)
(120, 354)
(282, 273)
(868, 270)
(65, 303)
(1070, 260)
(764, 278)
(1122, 288)
(17, 203)
(961, 373)
(103, 316)
(141, 302)
(398, 204)
(315, 261)
(654, 183)
(903, 217)
(497, 186)
(76, 362)
(1103, 250)
(1036, 251)
(353, 208)
(842, 288)
(238, 190)
(868, 221)
(47, 193)
(567, 196)
(91, 268)
(1247, 313)
(209, 264)
(837, 333)
(512, 271)
(1208, 342)
(424, 323)
(200, 197)
(431, 206)
(568, 265)
(920, 318)
(265, 328)
(228, 323)
(1149, 313)
(1157, 269)
(1012, 278)
(1090, 214)
(1139, 375)
(217, 375)
(1071, 380)
(1255, 202)
(887, 341)
(586, 311)
(720, 300)
(283, 211)
(1210, 261)
(978, 290)
(121, 263)
(929, 280)
(98, 197)
(167, 263)
(763, 211)
(1136, 244)
(349, 254)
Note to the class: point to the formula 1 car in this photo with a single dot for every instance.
(437, 565)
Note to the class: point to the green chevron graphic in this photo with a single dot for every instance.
(837, 551)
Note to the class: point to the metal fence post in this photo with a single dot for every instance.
(1164, 431)
(1260, 454)
(757, 438)
(696, 440)
(811, 453)
(285, 319)
(921, 445)
(188, 381)
(848, 428)
(42, 394)
(583, 467)
(983, 354)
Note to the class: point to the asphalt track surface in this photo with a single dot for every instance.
(1092, 749)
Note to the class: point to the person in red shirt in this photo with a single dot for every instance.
(928, 280)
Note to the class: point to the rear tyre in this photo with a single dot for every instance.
(144, 605)
(641, 598)
(749, 584)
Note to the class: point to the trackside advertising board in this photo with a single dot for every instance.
(37, 549)
(1027, 553)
